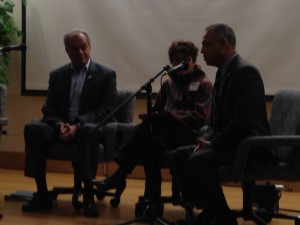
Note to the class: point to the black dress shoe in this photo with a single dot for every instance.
(109, 184)
(90, 208)
(116, 180)
(38, 202)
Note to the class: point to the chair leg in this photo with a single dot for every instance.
(270, 205)
(247, 211)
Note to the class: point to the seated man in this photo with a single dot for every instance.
(238, 111)
(80, 94)
(181, 108)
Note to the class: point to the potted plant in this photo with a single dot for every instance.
(8, 29)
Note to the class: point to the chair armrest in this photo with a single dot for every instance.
(248, 145)
(3, 121)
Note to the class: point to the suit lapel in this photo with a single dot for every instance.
(225, 78)
(67, 81)
(228, 73)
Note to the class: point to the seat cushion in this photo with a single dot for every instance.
(281, 171)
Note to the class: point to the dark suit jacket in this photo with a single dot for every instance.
(98, 96)
(241, 107)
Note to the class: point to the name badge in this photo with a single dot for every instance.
(194, 86)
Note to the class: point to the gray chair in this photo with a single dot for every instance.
(3, 120)
(285, 141)
(113, 134)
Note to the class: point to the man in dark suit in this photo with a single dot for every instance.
(80, 94)
(238, 111)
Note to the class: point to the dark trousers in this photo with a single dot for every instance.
(153, 138)
(196, 173)
(39, 137)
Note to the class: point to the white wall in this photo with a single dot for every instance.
(133, 36)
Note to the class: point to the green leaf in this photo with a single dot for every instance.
(8, 29)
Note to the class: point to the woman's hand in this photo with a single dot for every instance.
(202, 144)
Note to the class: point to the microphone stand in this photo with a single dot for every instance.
(150, 214)
(21, 47)
(147, 87)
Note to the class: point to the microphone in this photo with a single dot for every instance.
(20, 47)
(173, 70)
(179, 67)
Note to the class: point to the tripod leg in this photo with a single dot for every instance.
(163, 221)
(151, 221)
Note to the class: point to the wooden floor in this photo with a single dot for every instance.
(64, 214)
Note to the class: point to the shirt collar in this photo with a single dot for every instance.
(223, 67)
(85, 68)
